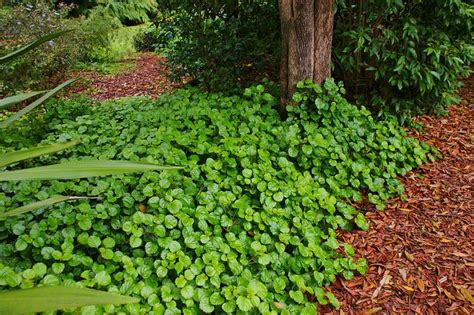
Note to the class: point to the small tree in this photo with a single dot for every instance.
(307, 28)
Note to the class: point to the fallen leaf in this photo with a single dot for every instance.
(420, 284)
(467, 295)
(408, 288)
(409, 256)
(385, 280)
(279, 305)
(374, 310)
(403, 273)
(449, 295)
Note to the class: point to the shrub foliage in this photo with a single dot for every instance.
(397, 57)
(219, 42)
(249, 224)
(404, 56)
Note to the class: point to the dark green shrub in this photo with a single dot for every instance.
(403, 57)
(221, 42)
(160, 37)
(249, 224)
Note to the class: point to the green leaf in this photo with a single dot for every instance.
(309, 309)
(187, 292)
(81, 169)
(93, 241)
(279, 284)
(23, 50)
(361, 222)
(278, 197)
(20, 245)
(40, 269)
(103, 278)
(135, 241)
(244, 303)
(174, 246)
(349, 250)
(108, 242)
(35, 104)
(361, 266)
(257, 288)
(297, 296)
(51, 298)
(170, 221)
(205, 306)
(332, 242)
(229, 307)
(15, 99)
(264, 259)
(180, 281)
(333, 300)
(216, 299)
(40, 204)
(319, 277)
(16, 156)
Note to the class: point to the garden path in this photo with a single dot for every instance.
(149, 77)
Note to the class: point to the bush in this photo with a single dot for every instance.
(404, 57)
(251, 221)
(23, 24)
(160, 37)
(220, 43)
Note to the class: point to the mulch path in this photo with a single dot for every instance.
(149, 77)
(420, 250)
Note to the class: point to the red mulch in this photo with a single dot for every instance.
(149, 77)
(421, 251)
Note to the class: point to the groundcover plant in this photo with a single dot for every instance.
(248, 225)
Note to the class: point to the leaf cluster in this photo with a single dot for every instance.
(248, 225)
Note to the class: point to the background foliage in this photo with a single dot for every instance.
(129, 12)
(397, 57)
(23, 24)
(220, 42)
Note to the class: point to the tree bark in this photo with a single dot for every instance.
(306, 28)
(324, 22)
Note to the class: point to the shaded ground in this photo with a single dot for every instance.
(420, 250)
(147, 77)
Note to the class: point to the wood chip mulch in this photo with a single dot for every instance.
(420, 250)
(149, 77)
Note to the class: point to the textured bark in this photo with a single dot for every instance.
(306, 27)
(324, 21)
(285, 16)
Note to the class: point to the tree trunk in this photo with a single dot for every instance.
(306, 27)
